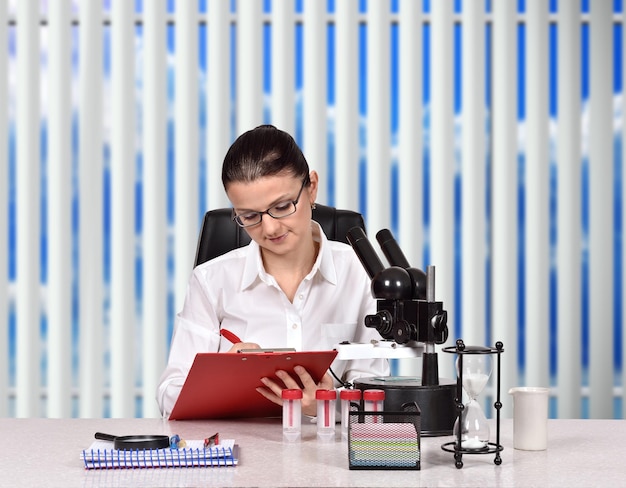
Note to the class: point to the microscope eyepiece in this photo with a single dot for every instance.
(364, 251)
(391, 249)
(395, 256)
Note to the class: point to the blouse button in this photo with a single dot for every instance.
(294, 326)
(301, 297)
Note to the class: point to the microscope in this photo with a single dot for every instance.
(411, 322)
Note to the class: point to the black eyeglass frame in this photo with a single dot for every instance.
(268, 211)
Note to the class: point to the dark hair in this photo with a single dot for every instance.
(263, 151)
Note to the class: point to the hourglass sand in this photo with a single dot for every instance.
(473, 424)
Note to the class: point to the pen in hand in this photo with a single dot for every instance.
(230, 336)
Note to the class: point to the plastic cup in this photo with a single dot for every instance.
(530, 418)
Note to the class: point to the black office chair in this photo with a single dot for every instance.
(219, 234)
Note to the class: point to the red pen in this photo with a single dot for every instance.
(230, 336)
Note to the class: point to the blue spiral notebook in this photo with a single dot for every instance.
(100, 455)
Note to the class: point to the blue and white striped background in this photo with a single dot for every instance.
(486, 135)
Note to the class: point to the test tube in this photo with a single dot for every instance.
(347, 396)
(373, 401)
(292, 414)
(326, 414)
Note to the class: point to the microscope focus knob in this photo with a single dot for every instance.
(439, 324)
(404, 332)
(382, 321)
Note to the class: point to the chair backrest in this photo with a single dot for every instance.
(219, 234)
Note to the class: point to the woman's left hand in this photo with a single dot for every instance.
(273, 390)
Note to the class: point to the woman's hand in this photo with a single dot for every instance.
(243, 345)
(273, 390)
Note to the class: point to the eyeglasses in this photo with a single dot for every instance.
(278, 211)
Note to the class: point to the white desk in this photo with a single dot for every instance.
(46, 452)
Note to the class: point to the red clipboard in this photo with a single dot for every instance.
(223, 385)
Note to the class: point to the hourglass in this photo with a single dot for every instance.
(475, 370)
(471, 429)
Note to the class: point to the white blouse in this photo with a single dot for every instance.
(234, 292)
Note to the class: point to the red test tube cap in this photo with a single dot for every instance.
(374, 395)
(291, 394)
(350, 394)
(326, 395)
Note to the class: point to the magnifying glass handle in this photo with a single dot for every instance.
(104, 437)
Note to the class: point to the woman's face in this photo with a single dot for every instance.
(282, 236)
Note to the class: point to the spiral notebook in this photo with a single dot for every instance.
(100, 455)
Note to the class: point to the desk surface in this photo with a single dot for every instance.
(46, 452)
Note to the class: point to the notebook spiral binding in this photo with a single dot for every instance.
(160, 458)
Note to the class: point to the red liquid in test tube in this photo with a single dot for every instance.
(347, 397)
(326, 414)
(292, 414)
(373, 401)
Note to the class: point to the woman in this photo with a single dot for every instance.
(290, 287)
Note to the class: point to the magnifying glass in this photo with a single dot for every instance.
(131, 442)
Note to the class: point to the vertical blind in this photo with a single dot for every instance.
(483, 135)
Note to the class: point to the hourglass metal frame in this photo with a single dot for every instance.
(455, 446)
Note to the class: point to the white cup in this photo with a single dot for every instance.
(530, 418)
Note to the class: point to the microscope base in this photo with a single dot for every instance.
(436, 402)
